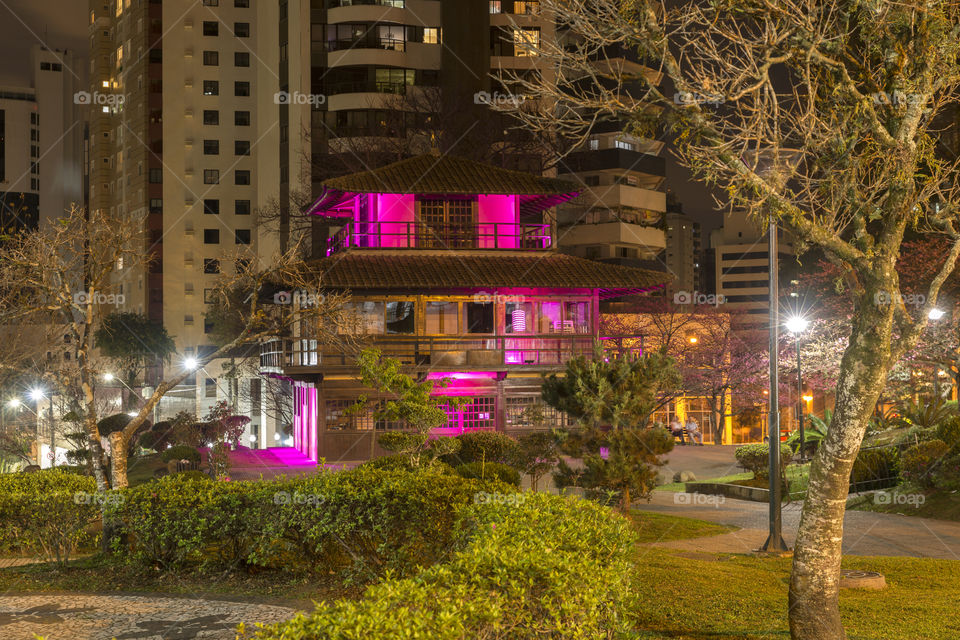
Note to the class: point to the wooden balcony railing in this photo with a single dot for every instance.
(421, 235)
(436, 352)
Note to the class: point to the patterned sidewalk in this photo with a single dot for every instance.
(109, 617)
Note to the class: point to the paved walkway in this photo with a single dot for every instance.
(705, 462)
(864, 533)
(128, 617)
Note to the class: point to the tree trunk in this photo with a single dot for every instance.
(815, 579)
(118, 460)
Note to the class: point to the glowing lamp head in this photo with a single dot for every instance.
(936, 314)
(808, 398)
(253, 438)
(693, 339)
(132, 414)
(190, 364)
(108, 377)
(13, 403)
(276, 437)
(36, 394)
(797, 324)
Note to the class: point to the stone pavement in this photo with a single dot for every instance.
(864, 533)
(128, 617)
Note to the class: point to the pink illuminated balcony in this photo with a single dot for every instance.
(445, 235)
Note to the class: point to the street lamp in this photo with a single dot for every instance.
(190, 364)
(797, 325)
(934, 315)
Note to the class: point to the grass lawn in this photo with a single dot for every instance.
(937, 505)
(744, 597)
(656, 527)
(141, 469)
(798, 475)
(96, 574)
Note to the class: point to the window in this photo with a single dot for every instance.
(211, 176)
(519, 318)
(526, 41)
(241, 29)
(211, 28)
(211, 3)
(241, 4)
(241, 207)
(400, 317)
(442, 317)
(241, 177)
(363, 318)
(527, 7)
(241, 89)
(211, 117)
(156, 204)
(241, 59)
(446, 223)
(623, 144)
(209, 296)
(211, 58)
(156, 55)
(211, 236)
(211, 265)
(495, 6)
(211, 147)
(241, 147)
(431, 35)
(242, 265)
(478, 317)
(241, 118)
(211, 88)
(242, 236)
(592, 181)
(210, 388)
(211, 207)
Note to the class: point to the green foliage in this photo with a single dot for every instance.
(756, 458)
(947, 474)
(541, 567)
(364, 521)
(621, 391)
(949, 431)
(919, 462)
(48, 513)
(925, 413)
(402, 463)
(488, 470)
(539, 454)
(876, 468)
(218, 458)
(114, 423)
(815, 430)
(486, 446)
(180, 452)
(618, 466)
(132, 340)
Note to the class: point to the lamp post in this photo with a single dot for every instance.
(934, 315)
(797, 325)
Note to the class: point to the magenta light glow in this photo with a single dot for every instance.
(463, 375)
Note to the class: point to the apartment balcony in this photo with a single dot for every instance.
(652, 239)
(600, 159)
(419, 235)
(438, 353)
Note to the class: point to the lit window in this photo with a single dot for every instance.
(526, 42)
(495, 6)
(431, 35)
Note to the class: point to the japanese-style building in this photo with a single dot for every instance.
(451, 268)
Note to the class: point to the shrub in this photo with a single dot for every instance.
(949, 431)
(194, 474)
(947, 475)
(539, 454)
(180, 452)
(919, 462)
(48, 513)
(875, 468)
(485, 446)
(398, 462)
(481, 471)
(541, 567)
(756, 458)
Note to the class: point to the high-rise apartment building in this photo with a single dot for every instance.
(184, 130)
(683, 253)
(41, 142)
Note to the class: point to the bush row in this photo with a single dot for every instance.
(539, 567)
(364, 521)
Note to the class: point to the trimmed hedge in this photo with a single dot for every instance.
(485, 446)
(48, 513)
(541, 567)
(364, 521)
(756, 458)
(875, 468)
(180, 452)
(919, 462)
(481, 471)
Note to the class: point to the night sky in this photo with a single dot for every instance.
(62, 24)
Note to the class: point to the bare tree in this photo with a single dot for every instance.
(69, 279)
(820, 116)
